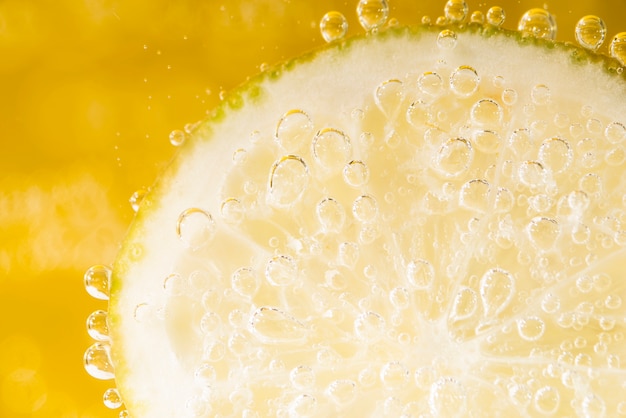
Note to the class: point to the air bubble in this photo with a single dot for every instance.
(555, 154)
(540, 94)
(97, 281)
(348, 253)
(195, 228)
(531, 328)
(590, 32)
(333, 26)
(281, 270)
(98, 326)
(304, 405)
(420, 274)
(486, 141)
(618, 47)
(504, 200)
(538, 23)
(419, 114)
(430, 83)
(590, 183)
(97, 361)
(356, 173)
(288, 180)
(615, 132)
(365, 209)
(210, 323)
(177, 137)
(302, 377)
(330, 214)
(369, 327)
(394, 376)
(342, 392)
(464, 81)
(487, 113)
(593, 406)
(532, 174)
(474, 195)
(546, 400)
(136, 198)
(446, 39)
(464, 305)
(388, 97)
(496, 16)
(232, 210)
(543, 232)
(245, 282)
(112, 398)
(454, 157)
(456, 10)
(331, 148)
(477, 17)
(273, 326)
(400, 298)
(550, 303)
(447, 398)
(294, 130)
(372, 14)
(497, 287)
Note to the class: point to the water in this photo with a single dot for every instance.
(288, 180)
(195, 228)
(97, 280)
(98, 326)
(333, 26)
(372, 14)
(97, 361)
(136, 198)
(496, 16)
(538, 23)
(177, 137)
(112, 398)
(590, 32)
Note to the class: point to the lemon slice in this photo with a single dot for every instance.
(421, 221)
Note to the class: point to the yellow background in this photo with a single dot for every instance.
(89, 91)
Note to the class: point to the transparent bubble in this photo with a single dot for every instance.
(342, 392)
(136, 198)
(388, 97)
(232, 210)
(419, 114)
(464, 81)
(369, 327)
(496, 16)
(372, 14)
(112, 398)
(538, 23)
(496, 287)
(330, 214)
(394, 375)
(546, 400)
(195, 228)
(477, 17)
(245, 282)
(98, 325)
(97, 361)
(333, 26)
(540, 94)
(294, 130)
(288, 180)
(365, 209)
(356, 173)
(474, 195)
(304, 405)
(177, 137)
(520, 394)
(555, 154)
(593, 406)
(273, 326)
(532, 174)
(487, 113)
(464, 305)
(618, 47)
(615, 132)
(550, 303)
(456, 10)
(332, 148)
(97, 281)
(447, 398)
(281, 270)
(420, 274)
(348, 253)
(210, 322)
(400, 298)
(531, 328)
(591, 184)
(543, 232)
(454, 157)
(446, 40)
(486, 141)
(590, 32)
(430, 83)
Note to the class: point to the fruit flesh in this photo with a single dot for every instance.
(330, 287)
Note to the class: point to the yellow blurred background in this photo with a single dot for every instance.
(90, 90)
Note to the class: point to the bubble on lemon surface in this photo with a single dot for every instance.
(531, 328)
(97, 280)
(273, 326)
(112, 398)
(281, 270)
(177, 137)
(245, 282)
(333, 26)
(294, 130)
(496, 16)
(486, 141)
(98, 325)
(547, 400)
(330, 214)
(365, 209)
(369, 327)
(447, 398)
(590, 32)
(497, 288)
(430, 83)
(532, 174)
(420, 274)
(538, 23)
(304, 405)
(477, 17)
(394, 375)
(543, 232)
(97, 361)
(342, 392)
(372, 14)
(195, 228)
(487, 113)
(456, 10)
(232, 210)
(447, 39)
(474, 195)
(331, 148)
(419, 114)
(618, 47)
(388, 96)
(356, 173)
(136, 198)
(555, 154)
(464, 81)
(288, 180)
(454, 157)
(464, 305)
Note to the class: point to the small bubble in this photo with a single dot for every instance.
(302, 377)
(97, 361)
(447, 398)
(430, 83)
(232, 210)
(372, 14)
(532, 174)
(365, 209)
(538, 23)
(245, 282)
(446, 39)
(281, 270)
(426, 20)
(177, 137)
(543, 232)
(419, 115)
(487, 113)
(591, 184)
(497, 287)
(464, 81)
(288, 180)
(550, 303)
(531, 328)
(388, 97)
(273, 326)
(486, 141)
(240, 156)
(477, 17)
(195, 228)
(333, 26)
(294, 130)
(454, 157)
(124, 414)
(474, 195)
(615, 132)
(394, 375)
(330, 214)
(420, 274)
(112, 398)
(555, 154)
(369, 327)
(540, 94)
(400, 298)
(348, 253)
(302, 406)
(618, 47)
(342, 392)
(546, 400)
(356, 173)
(136, 198)
(210, 323)
(496, 16)
(98, 325)
(456, 10)
(520, 141)
(464, 305)
(97, 281)
(590, 32)
(331, 148)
